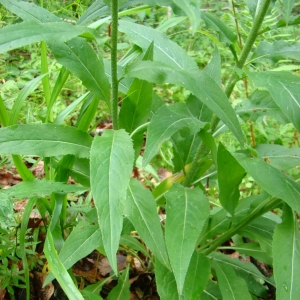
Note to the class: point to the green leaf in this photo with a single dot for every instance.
(279, 156)
(121, 291)
(79, 57)
(199, 83)
(40, 188)
(165, 282)
(232, 287)
(44, 140)
(140, 209)
(192, 10)
(288, 6)
(29, 32)
(260, 104)
(286, 252)
(28, 88)
(271, 179)
(110, 168)
(167, 121)
(197, 276)
(169, 23)
(253, 6)
(165, 50)
(237, 264)
(230, 175)
(215, 23)
(83, 239)
(284, 87)
(133, 243)
(187, 210)
(276, 51)
(29, 11)
(213, 68)
(211, 292)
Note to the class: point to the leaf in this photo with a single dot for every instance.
(140, 209)
(165, 50)
(29, 32)
(96, 10)
(253, 6)
(40, 188)
(213, 68)
(83, 239)
(288, 6)
(121, 291)
(211, 292)
(199, 83)
(276, 51)
(284, 87)
(110, 168)
(165, 282)
(232, 287)
(230, 175)
(197, 276)
(167, 121)
(169, 23)
(286, 252)
(133, 243)
(192, 10)
(279, 156)
(260, 104)
(79, 58)
(44, 140)
(226, 35)
(187, 210)
(237, 264)
(29, 11)
(271, 179)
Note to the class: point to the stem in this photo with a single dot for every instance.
(114, 58)
(202, 150)
(264, 207)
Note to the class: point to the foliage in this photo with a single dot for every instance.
(183, 248)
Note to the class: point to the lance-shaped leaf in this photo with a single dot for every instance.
(286, 252)
(28, 32)
(284, 87)
(111, 166)
(187, 210)
(192, 10)
(230, 175)
(121, 291)
(44, 140)
(211, 21)
(276, 51)
(27, 89)
(40, 188)
(197, 276)
(259, 104)
(165, 50)
(167, 121)
(253, 6)
(79, 57)
(271, 179)
(83, 239)
(29, 11)
(199, 83)
(279, 156)
(232, 287)
(213, 68)
(288, 6)
(140, 209)
(165, 281)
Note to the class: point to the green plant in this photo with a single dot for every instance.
(184, 251)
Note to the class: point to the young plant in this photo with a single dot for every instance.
(189, 249)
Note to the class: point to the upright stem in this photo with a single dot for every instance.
(202, 151)
(114, 60)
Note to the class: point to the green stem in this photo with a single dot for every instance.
(202, 150)
(264, 207)
(114, 60)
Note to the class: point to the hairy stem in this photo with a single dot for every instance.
(202, 150)
(114, 58)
